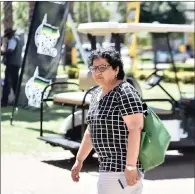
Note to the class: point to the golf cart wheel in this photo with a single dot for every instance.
(74, 152)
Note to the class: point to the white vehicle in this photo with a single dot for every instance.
(124, 52)
(180, 120)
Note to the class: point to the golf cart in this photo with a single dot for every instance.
(75, 124)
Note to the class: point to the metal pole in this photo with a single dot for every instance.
(77, 38)
(154, 50)
(41, 119)
(88, 11)
(92, 40)
(173, 63)
(116, 38)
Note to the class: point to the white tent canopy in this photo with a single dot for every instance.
(105, 28)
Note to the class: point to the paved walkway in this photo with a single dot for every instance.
(49, 173)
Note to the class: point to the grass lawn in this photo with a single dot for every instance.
(22, 136)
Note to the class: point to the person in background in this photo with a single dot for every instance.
(189, 50)
(115, 121)
(12, 61)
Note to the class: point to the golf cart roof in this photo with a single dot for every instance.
(105, 28)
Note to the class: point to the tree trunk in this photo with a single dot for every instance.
(31, 9)
(8, 16)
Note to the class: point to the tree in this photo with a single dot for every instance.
(163, 12)
(98, 12)
(20, 15)
(31, 9)
(159, 11)
(16, 14)
(2, 17)
(8, 17)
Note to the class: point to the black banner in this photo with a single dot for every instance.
(42, 55)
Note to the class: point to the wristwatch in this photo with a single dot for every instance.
(131, 167)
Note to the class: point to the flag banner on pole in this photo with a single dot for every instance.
(43, 50)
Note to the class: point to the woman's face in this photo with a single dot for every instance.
(103, 73)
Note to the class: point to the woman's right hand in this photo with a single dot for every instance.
(75, 170)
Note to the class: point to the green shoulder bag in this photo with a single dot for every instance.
(155, 140)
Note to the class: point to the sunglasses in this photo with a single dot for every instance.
(101, 68)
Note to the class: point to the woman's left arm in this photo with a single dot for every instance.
(131, 109)
(134, 124)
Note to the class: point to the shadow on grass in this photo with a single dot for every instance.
(33, 115)
(45, 130)
(174, 167)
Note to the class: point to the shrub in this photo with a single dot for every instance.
(188, 79)
(142, 77)
(181, 68)
(73, 73)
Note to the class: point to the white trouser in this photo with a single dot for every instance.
(108, 184)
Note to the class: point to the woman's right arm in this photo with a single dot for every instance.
(86, 146)
(84, 150)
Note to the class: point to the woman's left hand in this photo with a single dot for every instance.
(132, 176)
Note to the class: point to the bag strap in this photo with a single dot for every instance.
(145, 109)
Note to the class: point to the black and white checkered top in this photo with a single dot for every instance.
(108, 130)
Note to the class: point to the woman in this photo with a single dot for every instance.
(115, 121)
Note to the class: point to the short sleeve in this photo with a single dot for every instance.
(129, 101)
(12, 44)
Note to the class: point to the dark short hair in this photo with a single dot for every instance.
(111, 56)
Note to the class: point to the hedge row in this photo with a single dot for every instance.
(182, 68)
(184, 77)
